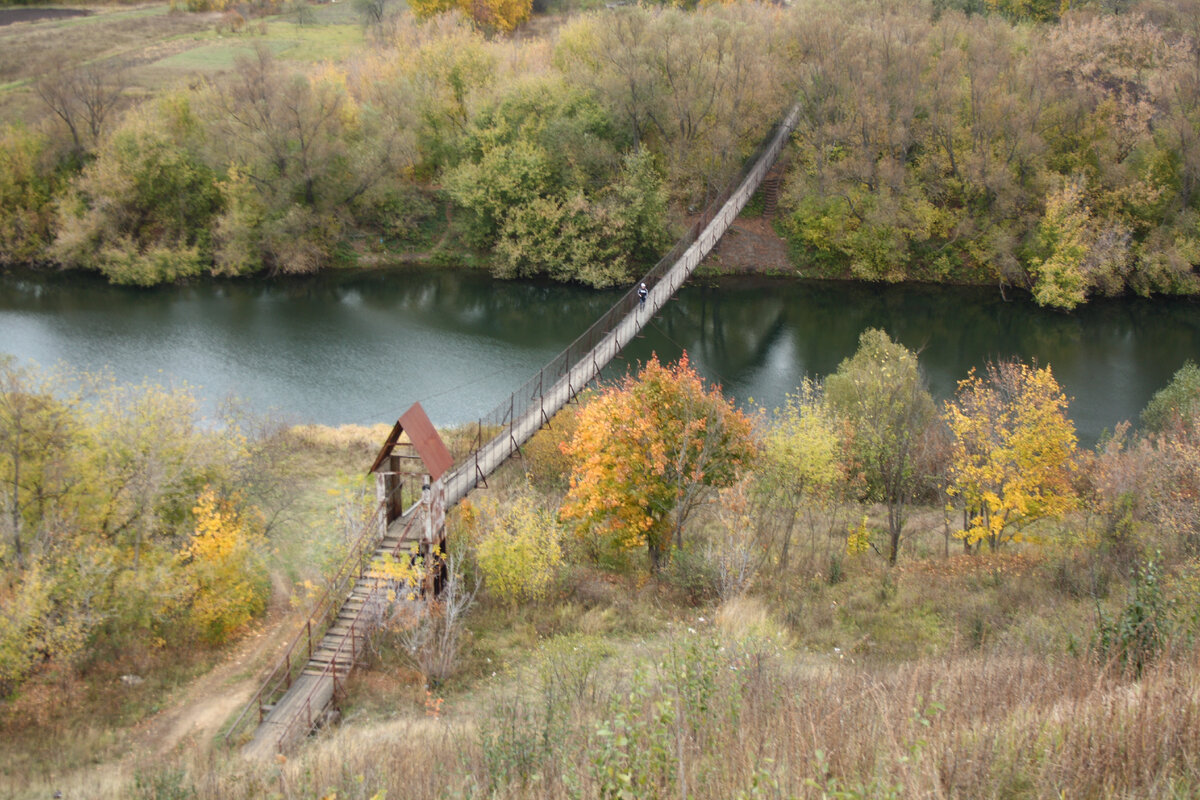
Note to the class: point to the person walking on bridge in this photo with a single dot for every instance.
(642, 292)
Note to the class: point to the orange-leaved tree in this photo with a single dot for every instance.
(646, 453)
(1013, 451)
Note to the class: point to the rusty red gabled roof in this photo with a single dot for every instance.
(424, 438)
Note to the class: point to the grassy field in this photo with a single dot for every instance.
(159, 47)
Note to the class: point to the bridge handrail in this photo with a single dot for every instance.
(355, 635)
(322, 612)
(516, 405)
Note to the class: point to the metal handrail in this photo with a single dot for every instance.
(279, 679)
(354, 636)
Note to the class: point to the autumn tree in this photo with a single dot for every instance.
(520, 549)
(497, 15)
(879, 395)
(691, 85)
(799, 466)
(1013, 450)
(224, 568)
(647, 452)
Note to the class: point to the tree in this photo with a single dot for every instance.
(299, 155)
(223, 565)
(1063, 235)
(799, 463)
(520, 550)
(1175, 405)
(646, 453)
(1012, 456)
(83, 97)
(38, 434)
(880, 397)
(497, 15)
(28, 184)
(142, 212)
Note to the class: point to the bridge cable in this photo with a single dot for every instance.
(464, 384)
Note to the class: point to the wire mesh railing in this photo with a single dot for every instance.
(529, 398)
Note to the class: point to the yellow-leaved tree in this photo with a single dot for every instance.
(497, 15)
(799, 470)
(646, 453)
(1013, 450)
(224, 568)
(520, 549)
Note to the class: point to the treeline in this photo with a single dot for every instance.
(626, 476)
(549, 157)
(127, 525)
(956, 142)
(1059, 158)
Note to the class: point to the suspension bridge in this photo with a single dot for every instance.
(309, 678)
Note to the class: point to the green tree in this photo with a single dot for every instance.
(29, 182)
(1177, 404)
(799, 466)
(1063, 236)
(142, 212)
(38, 438)
(880, 396)
(647, 452)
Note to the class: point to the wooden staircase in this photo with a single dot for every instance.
(292, 703)
(770, 188)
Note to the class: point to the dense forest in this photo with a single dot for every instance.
(1015, 144)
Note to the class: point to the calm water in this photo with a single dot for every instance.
(362, 347)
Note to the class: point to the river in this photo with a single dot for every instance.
(360, 347)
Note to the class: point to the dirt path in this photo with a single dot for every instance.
(190, 721)
(751, 245)
(196, 716)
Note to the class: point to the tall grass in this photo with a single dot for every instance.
(700, 714)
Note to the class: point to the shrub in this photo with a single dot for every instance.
(519, 554)
(1140, 632)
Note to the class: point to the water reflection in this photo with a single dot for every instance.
(360, 347)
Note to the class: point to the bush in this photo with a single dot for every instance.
(693, 574)
(520, 551)
(1137, 636)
